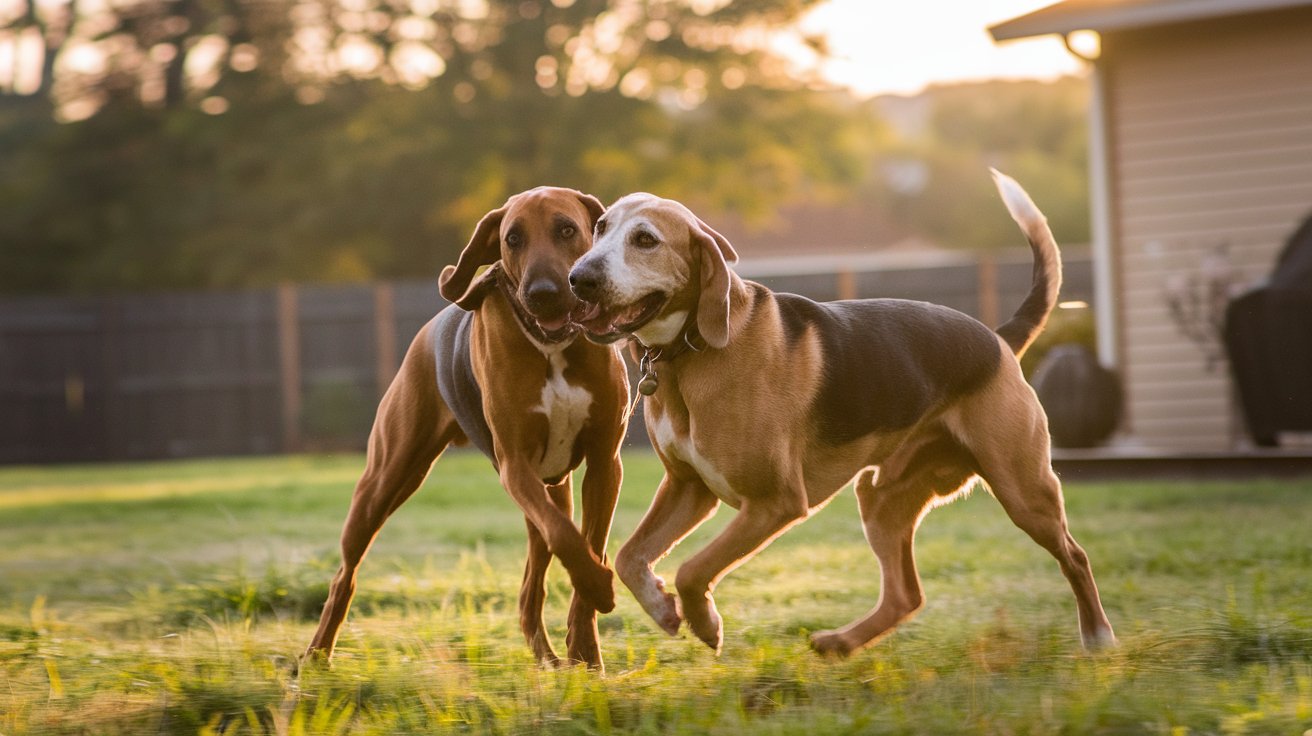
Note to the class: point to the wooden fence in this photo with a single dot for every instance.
(302, 367)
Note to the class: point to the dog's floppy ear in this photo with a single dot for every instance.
(594, 206)
(457, 282)
(716, 254)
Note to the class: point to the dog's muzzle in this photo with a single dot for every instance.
(586, 280)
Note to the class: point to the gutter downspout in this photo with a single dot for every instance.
(1101, 222)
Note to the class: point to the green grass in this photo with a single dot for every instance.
(175, 597)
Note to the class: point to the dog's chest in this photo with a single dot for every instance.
(680, 446)
(566, 407)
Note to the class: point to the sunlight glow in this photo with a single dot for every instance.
(417, 64)
(1087, 44)
(902, 47)
(876, 48)
(202, 64)
(6, 62)
(28, 50)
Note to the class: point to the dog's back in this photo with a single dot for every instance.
(884, 365)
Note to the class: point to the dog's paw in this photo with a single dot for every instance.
(707, 625)
(314, 658)
(589, 657)
(663, 607)
(581, 646)
(666, 614)
(599, 589)
(830, 644)
(1101, 640)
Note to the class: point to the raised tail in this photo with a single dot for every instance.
(1028, 321)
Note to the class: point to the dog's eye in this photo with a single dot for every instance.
(601, 228)
(567, 231)
(644, 239)
(514, 239)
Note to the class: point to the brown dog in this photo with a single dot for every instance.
(771, 403)
(509, 376)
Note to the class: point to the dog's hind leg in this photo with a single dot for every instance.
(533, 592)
(891, 510)
(601, 490)
(1032, 498)
(411, 429)
(1029, 491)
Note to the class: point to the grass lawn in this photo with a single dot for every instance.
(174, 598)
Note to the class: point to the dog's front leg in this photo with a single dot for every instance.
(601, 490)
(593, 580)
(680, 506)
(757, 524)
(533, 592)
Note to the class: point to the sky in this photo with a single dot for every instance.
(882, 46)
(900, 46)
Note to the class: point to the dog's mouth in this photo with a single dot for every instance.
(554, 326)
(554, 322)
(606, 325)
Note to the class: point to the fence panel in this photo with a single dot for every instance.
(52, 389)
(414, 303)
(338, 362)
(301, 367)
(193, 374)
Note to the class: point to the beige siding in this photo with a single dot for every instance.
(1211, 132)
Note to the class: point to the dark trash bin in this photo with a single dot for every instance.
(1268, 337)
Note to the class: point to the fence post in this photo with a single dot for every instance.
(846, 284)
(988, 289)
(289, 363)
(384, 335)
(116, 435)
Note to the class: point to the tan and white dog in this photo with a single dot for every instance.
(771, 403)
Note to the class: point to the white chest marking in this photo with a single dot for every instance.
(566, 408)
(684, 449)
(662, 331)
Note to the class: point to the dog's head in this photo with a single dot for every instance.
(655, 264)
(532, 240)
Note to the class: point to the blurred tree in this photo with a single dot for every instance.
(237, 143)
(935, 179)
(229, 142)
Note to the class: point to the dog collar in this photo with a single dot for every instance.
(692, 340)
(526, 320)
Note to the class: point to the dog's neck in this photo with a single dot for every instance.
(689, 340)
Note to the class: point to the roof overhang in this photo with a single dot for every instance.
(1119, 15)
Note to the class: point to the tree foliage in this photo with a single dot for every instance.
(345, 139)
(229, 143)
(935, 178)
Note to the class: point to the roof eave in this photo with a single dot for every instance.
(1060, 18)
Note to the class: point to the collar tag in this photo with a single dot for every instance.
(647, 384)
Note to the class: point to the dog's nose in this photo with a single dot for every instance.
(585, 282)
(541, 295)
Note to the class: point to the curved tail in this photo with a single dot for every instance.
(1028, 321)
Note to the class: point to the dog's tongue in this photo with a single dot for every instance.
(590, 318)
(584, 311)
(553, 324)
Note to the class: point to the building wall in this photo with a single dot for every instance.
(1211, 155)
